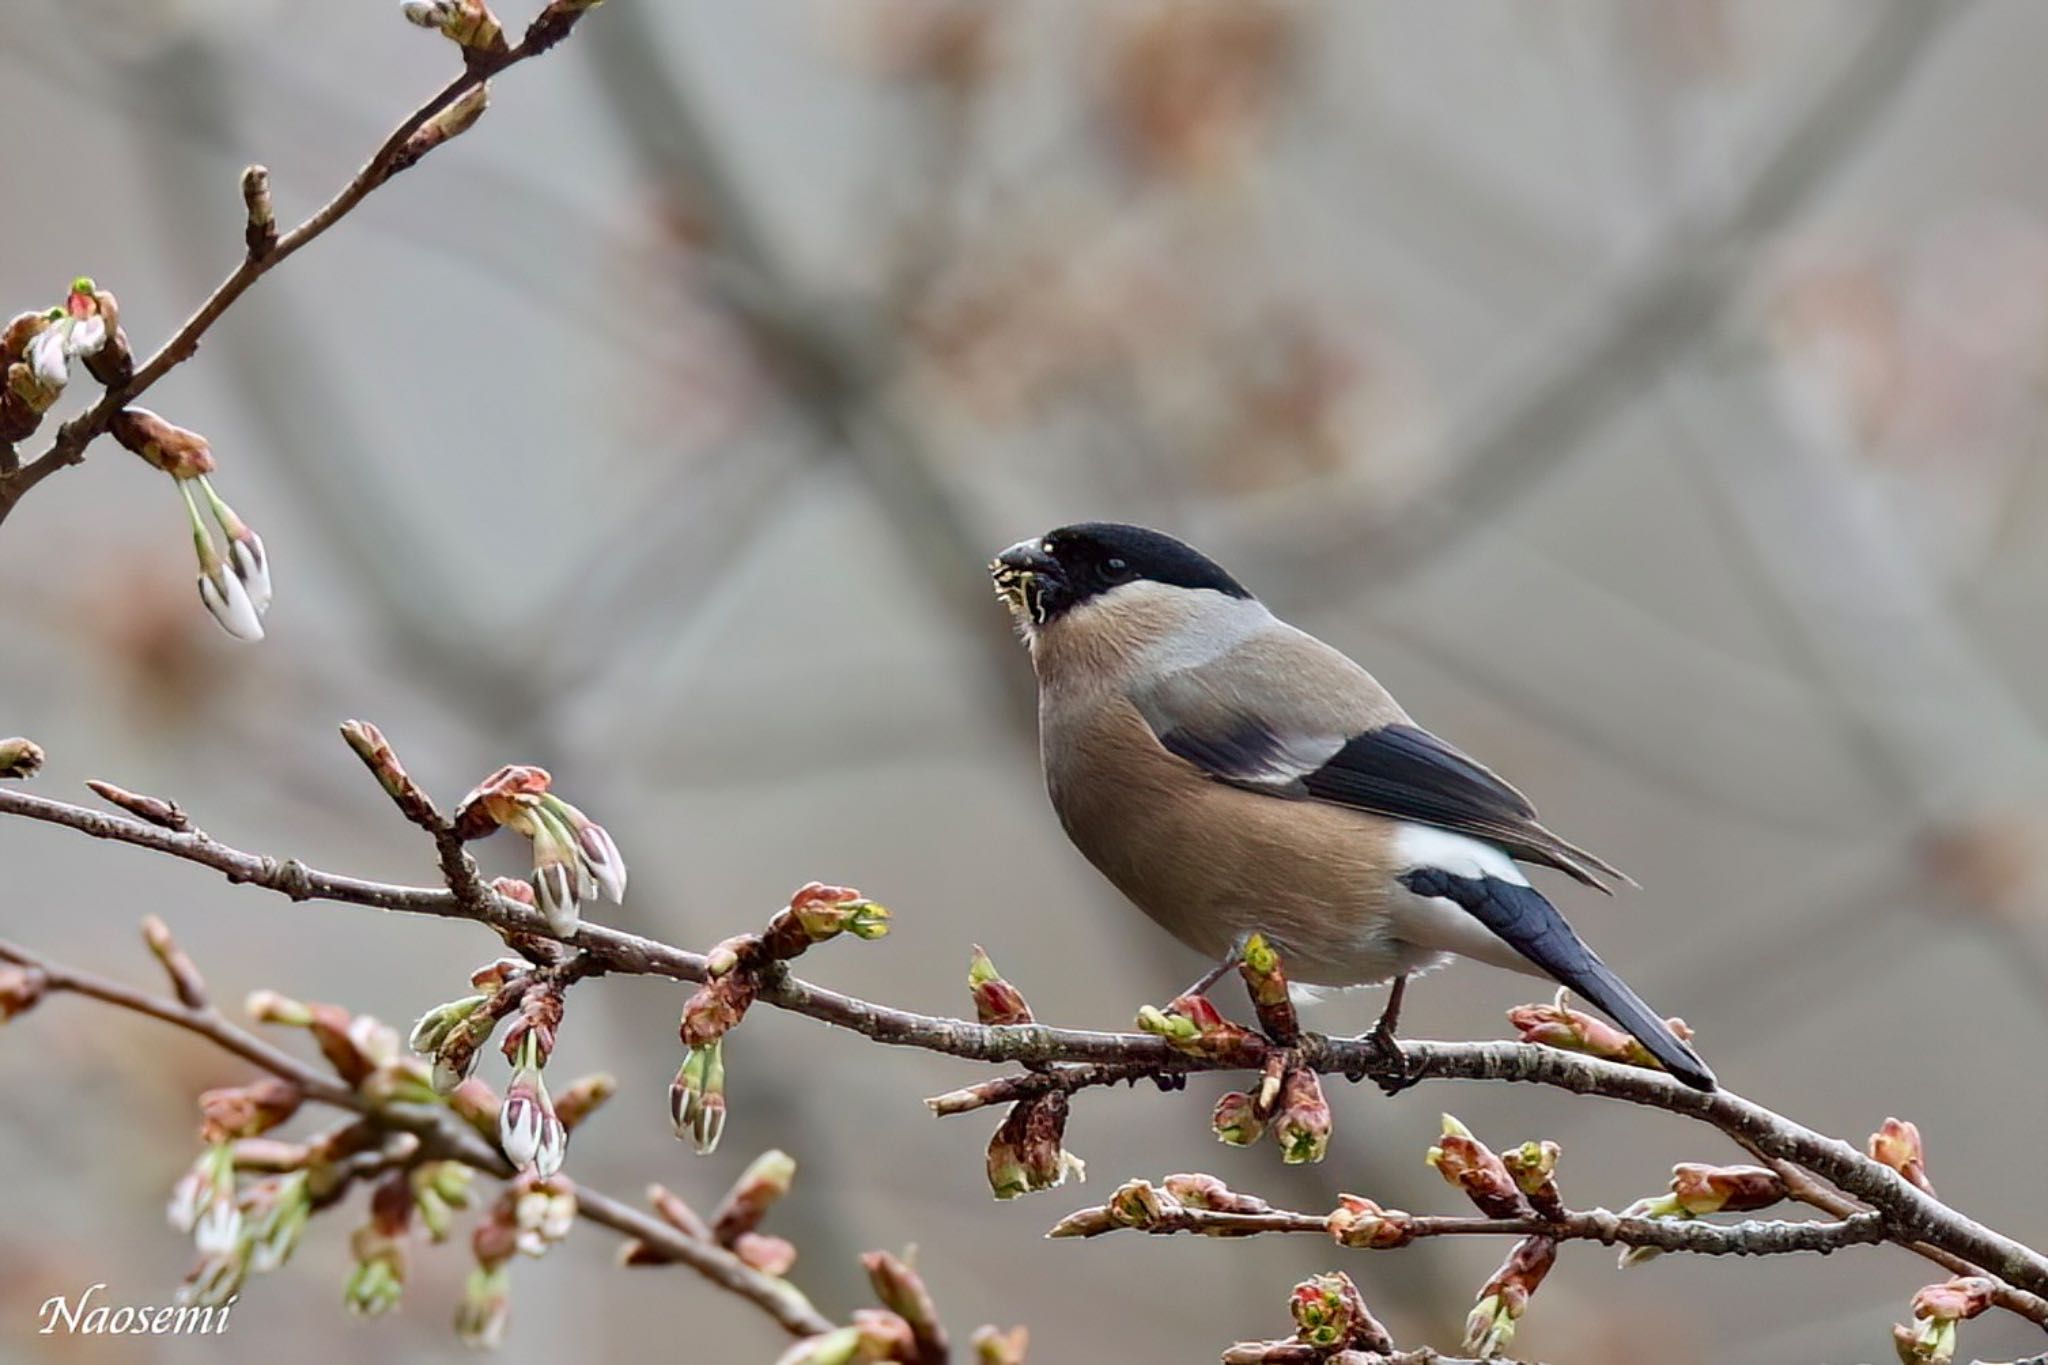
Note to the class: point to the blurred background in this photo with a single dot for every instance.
(1651, 394)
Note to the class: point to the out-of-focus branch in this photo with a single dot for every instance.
(441, 1136)
(265, 247)
(1066, 1060)
(1655, 313)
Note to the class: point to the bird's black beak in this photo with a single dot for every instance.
(1022, 574)
(1026, 556)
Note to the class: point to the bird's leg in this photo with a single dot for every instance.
(1388, 1046)
(1390, 1017)
(1215, 973)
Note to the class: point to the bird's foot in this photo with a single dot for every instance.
(1390, 1067)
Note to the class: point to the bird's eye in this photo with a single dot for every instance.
(1116, 568)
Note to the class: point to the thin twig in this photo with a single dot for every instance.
(69, 445)
(441, 1137)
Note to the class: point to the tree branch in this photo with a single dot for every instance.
(1071, 1059)
(1752, 1237)
(441, 1137)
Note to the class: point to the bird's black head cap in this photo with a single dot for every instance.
(1067, 566)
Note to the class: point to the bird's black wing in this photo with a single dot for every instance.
(1278, 742)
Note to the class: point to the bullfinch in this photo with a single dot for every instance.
(1230, 774)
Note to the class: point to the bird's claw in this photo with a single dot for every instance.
(1399, 1073)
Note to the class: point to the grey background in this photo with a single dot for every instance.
(1649, 394)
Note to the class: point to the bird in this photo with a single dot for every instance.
(1231, 775)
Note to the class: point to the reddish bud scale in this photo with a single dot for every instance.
(1330, 1314)
(583, 1097)
(1956, 1300)
(992, 1347)
(494, 801)
(1201, 1191)
(769, 1255)
(1701, 1190)
(540, 1014)
(902, 1291)
(177, 452)
(1266, 983)
(329, 1026)
(1025, 1154)
(1534, 1168)
(1897, 1145)
(1472, 1166)
(247, 1110)
(1363, 1225)
(1302, 1126)
(765, 1182)
(717, 1008)
(1236, 1119)
(996, 1001)
(1192, 1024)
(1560, 1026)
(20, 989)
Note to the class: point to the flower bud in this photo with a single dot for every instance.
(20, 989)
(1471, 1165)
(1936, 1310)
(247, 1110)
(1237, 1120)
(1259, 965)
(276, 1211)
(20, 758)
(902, 1291)
(1197, 1190)
(769, 1255)
(1699, 1190)
(1329, 1313)
(377, 1280)
(717, 1007)
(996, 1001)
(486, 1304)
(1534, 1168)
(583, 1098)
(1505, 1297)
(1897, 1145)
(529, 1130)
(825, 912)
(765, 1181)
(1560, 1026)
(164, 445)
(437, 1023)
(1138, 1204)
(992, 1347)
(469, 23)
(1025, 1154)
(1302, 1125)
(696, 1098)
(268, 1007)
(476, 1104)
(1362, 1224)
(1192, 1024)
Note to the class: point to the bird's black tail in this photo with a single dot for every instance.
(1521, 917)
